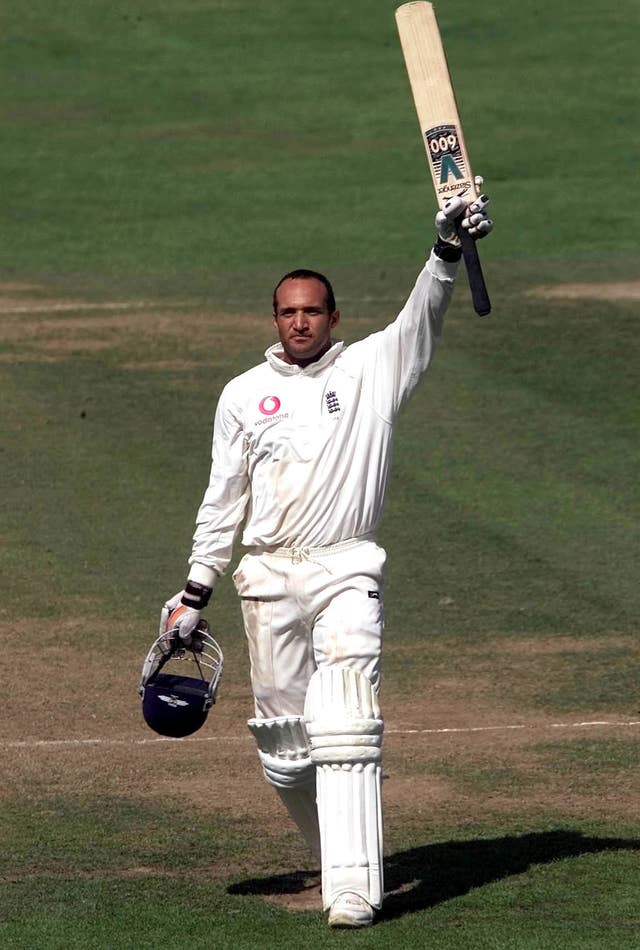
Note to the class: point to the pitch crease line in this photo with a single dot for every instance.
(552, 725)
(154, 740)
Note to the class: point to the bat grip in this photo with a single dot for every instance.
(479, 293)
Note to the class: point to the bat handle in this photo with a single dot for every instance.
(479, 294)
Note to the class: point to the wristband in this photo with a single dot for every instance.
(447, 252)
(196, 595)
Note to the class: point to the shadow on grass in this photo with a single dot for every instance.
(426, 876)
(432, 874)
(293, 882)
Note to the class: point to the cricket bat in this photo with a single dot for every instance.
(440, 125)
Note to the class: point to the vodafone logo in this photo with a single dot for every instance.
(269, 405)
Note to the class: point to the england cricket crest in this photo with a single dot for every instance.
(448, 165)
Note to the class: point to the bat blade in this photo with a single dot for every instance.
(440, 125)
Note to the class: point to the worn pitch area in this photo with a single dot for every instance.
(448, 760)
(39, 328)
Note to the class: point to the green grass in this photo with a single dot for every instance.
(601, 756)
(514, 896)
(83, 833)
(178, 145)
(187, 154)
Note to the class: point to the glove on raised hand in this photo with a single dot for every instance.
(475, 219)
(193, 599)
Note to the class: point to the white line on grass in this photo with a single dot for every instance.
(552, 725)
(152, 740)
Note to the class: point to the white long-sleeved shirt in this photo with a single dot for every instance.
(301, 455)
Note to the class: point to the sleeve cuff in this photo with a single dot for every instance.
(202, 574)
(444, 270)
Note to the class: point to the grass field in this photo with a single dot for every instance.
(164, 163)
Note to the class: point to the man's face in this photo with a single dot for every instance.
(302, 319)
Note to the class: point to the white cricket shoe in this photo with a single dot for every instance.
(350, 910)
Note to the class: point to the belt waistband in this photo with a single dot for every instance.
(305, 551)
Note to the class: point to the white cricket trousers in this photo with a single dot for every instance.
(305, 608)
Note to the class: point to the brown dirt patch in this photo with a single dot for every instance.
(295, 891)
(166, 322)
(166, 366)
(545, 646)
(446, 758)
(616, 290)
(137, 334)
(135, 340)
(16, 286)
(12, 306)
(140, 333)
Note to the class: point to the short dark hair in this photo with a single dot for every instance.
(306, 274)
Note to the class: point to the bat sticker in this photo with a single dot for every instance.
(443, 144)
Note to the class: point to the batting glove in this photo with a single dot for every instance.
(472, 217)
(476, 221)
(181, 614)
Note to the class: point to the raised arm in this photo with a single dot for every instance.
(402, 352)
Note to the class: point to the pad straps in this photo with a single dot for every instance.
(343, 722)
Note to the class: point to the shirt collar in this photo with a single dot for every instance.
(292, 369)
